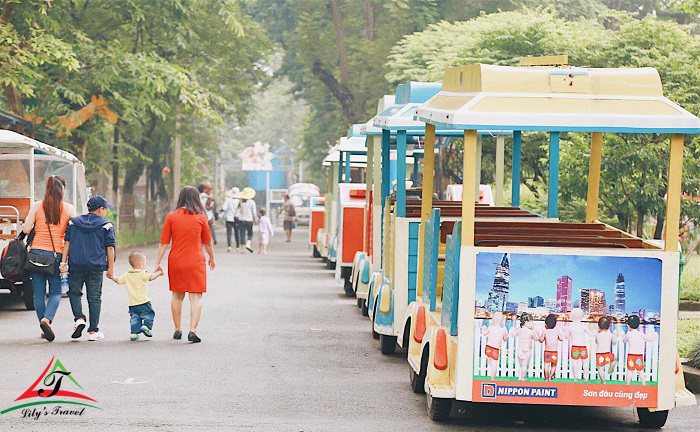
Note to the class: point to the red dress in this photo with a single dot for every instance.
(187, 267)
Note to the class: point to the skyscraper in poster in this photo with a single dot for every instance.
(498, 296)
(564, 286)
(620, 295)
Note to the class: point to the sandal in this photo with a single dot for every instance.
(45, 325)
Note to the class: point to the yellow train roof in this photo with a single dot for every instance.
(572, 99)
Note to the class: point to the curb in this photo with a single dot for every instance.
(687, 305)
(692, 378)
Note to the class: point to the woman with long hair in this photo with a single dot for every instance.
(188, 229)
(49, 219)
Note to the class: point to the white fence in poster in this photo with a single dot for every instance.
(535, 369)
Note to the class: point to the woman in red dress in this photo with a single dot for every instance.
(188, 229)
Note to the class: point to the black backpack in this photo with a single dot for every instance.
(14, 257)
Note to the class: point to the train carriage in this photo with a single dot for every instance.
(506, 328)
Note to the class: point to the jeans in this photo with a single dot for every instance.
(232, 227)
(211, 223)
(142, 314)
(46, 308)
(245, 229)
(93, 285)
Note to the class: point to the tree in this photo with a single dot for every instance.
(633, 183)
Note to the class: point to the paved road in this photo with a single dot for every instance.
(283, 350)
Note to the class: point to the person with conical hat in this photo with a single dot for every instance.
(247, 215)
(229, 210)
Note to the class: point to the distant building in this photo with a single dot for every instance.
(535, 302)
(611, 309)
(620, 295)
(498, 296)
(577, 303)
(564, 286)
(596, 302)
(523, 307)
(584, 294)
(550, 304)
(642, 314)
(512, 307)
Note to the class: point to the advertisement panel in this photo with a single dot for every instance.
(567, 329)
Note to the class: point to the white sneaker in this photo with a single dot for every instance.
(95, 336)
(78, 328)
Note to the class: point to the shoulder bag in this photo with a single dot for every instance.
(41, 263)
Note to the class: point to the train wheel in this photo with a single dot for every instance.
(388, 344)
(652, 419)
(365, 309)
(375, 335)
(359, 303)
(438, 408)
(28, 296)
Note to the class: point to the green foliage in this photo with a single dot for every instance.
(688, 336)
(633, 179)
(690, 280)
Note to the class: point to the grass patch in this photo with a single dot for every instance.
(126, 238)
(688, 335)
(690, 280)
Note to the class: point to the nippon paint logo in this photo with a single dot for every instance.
(492, 391)
(54, 393)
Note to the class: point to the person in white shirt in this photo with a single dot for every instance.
(247, 215)
(229, 210)
(209, 205)
(636, 344)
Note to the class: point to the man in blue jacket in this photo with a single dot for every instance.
(88, 252)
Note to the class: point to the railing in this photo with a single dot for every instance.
(6, 222)
(589, 368)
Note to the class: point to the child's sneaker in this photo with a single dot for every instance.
(134, 337)
(95, 336)
(145, 330)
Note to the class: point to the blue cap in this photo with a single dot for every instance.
(96, 202)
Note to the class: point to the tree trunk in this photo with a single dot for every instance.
(370, 29)
(13, 96)
(339, 91)
(340, 41)
(659, 228)
(640, 223)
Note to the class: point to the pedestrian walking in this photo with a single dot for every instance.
(265, 231)
(209, 205)
(247, 215)
(140, 309)
(48, 219)
(187, 229)
(230, 210)
(290, 217)
(89, 252)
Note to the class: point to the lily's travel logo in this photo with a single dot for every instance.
(54, 393)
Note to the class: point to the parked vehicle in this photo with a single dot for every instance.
(301, 194)
(25, 164)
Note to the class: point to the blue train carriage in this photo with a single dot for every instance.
(402, 216)
(336, 165)
(363, 263)
(544, 312)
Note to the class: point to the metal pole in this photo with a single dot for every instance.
(401, 173)
(177, 168)
(515, 177)
(553, 187)
(267, 192)
(500, 168)
(31, 175)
